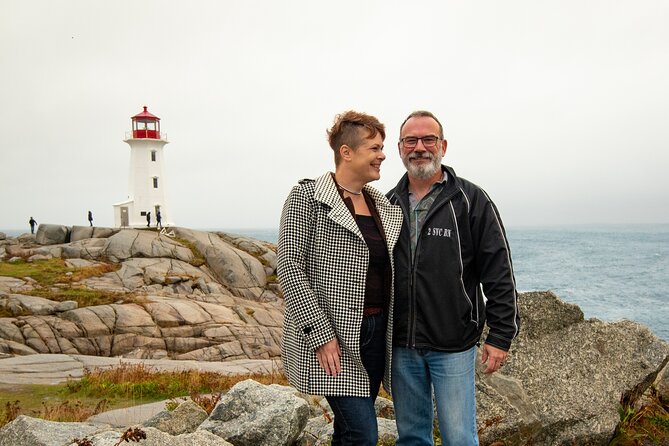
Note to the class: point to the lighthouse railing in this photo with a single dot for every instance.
(131, 135)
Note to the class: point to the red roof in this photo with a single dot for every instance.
(146, 115)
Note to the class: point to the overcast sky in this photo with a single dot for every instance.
(559, 110)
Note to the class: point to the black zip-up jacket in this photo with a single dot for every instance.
(462, 247)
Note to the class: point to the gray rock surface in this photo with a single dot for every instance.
(144, 243)
(240, 272)
(186, 418)
(48, 234)
(251, 414)
(83, 232)
(27, 431)
(155, 437)
(564, 377)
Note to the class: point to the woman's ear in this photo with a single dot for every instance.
(345, 152)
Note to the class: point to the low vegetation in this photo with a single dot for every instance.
(56, 281)
(198, 258)
(123, 386)
(648, 425)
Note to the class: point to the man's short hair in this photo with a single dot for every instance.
(423, 114)
(349, 129)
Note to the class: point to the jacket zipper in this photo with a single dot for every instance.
(419, 238)
(411, 326)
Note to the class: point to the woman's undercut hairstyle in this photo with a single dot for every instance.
(423, 114)
(348, 130)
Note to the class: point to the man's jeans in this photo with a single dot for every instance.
(355, 417)
(416, 372)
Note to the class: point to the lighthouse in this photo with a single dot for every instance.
(146, 180)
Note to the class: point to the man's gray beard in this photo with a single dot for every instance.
(423, 171)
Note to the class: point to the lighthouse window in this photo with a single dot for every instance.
(155, 182)
(153, 155)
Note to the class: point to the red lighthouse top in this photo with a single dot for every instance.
(145, 125)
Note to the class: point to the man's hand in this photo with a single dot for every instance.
(328, 357)
(494, 357)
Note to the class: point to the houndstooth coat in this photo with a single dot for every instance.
(322, 267)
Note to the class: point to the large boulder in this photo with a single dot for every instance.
(144, 243)
(48, 234)
(243, 274)
(251, 414)
(155, 437)
(186, 418)
(27, 431)
(18, 304)
(84, 232)
(565, 376)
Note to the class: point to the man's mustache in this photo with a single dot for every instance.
(421, 155)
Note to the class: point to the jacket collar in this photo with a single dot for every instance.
(325, 191)
(401, 190)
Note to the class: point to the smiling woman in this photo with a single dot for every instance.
(333, 263)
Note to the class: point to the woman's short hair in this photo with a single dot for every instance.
(349, 129)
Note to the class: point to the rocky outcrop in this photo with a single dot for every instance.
(251, 414)
(242, 273)
(565, 376)
(52, 234)
(234, 265)
(169, 304)
(133, 243)
(26, 431)
(84, 232)
(562, 383)
(214, 328)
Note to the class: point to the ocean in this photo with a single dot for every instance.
(611, 272)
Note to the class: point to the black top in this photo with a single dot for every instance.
(376, 292)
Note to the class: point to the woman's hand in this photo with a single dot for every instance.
(328, 356)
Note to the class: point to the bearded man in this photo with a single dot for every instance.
(452, 248)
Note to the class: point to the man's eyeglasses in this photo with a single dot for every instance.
(410, 142)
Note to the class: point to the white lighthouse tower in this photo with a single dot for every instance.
(146, 183)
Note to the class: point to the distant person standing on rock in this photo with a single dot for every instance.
(158, 220)
(32, 224)
(90, 218)
(148, 219)
(333, 261)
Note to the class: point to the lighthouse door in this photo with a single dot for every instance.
(124, 216)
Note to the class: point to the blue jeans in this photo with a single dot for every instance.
(416, 373)
(355, 417)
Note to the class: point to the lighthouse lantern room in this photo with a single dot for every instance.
(146, 204)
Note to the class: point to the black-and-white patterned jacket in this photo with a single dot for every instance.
(322, 267)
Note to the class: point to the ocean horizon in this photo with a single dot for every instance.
(612, 272)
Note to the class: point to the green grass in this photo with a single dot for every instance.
(45, 272)
(57, 282)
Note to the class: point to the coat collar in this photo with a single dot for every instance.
(325, 191)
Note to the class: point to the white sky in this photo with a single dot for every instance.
(558, 109)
